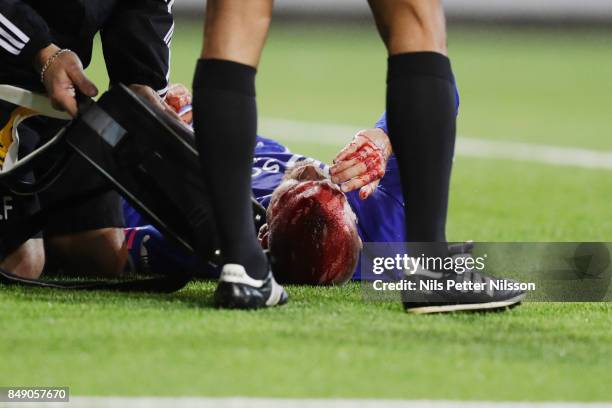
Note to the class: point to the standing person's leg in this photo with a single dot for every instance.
(421, 110)
(225, 120)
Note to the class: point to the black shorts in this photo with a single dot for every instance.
(104, 211)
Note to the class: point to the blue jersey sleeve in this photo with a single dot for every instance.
(382, 123)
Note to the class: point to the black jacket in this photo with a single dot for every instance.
(135, 37)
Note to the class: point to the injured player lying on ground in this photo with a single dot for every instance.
(317, 215)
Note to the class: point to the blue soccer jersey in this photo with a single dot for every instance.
(271, 161)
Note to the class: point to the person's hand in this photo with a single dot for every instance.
(362, 163)
(179, 98)
(63, 74)
(147, 93)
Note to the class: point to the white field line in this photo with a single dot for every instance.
(338, 135)
(242, 402)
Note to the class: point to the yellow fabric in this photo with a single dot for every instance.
(6, 133)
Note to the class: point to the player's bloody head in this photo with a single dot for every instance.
(311, 233)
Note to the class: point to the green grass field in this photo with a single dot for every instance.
(546, 87)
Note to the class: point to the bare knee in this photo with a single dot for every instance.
(27, 261)
(91, 253)
(411, 25)
(236, 30)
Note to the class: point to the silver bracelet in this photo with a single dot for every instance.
(50, 61)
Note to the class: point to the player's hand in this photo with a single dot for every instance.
(362, 163)
(147, 93)
(179, 98)
(62, 77)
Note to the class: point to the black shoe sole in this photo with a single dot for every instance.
(466, 307)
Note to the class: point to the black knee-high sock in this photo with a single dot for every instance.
(225, 120)
(421, 115)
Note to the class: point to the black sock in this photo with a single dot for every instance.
(225, 120)
(421, 115)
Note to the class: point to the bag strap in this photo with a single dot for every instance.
(164, 284)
